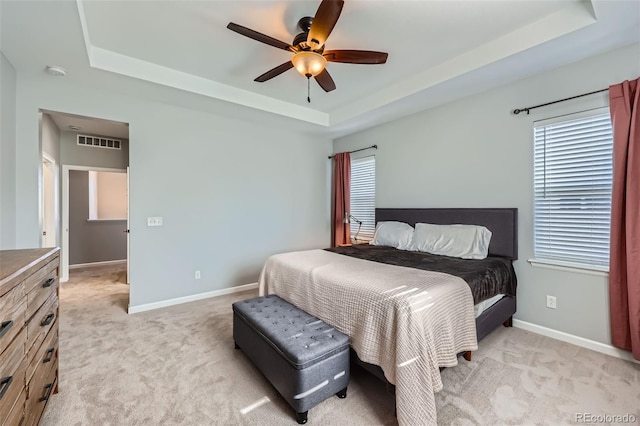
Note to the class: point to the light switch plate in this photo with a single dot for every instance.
(154, 221)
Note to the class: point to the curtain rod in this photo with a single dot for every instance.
(357, 150)
(527, 109)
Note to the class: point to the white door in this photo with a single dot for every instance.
(48, 203)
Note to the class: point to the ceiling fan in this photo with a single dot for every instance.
(310, 58)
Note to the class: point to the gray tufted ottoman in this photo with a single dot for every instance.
(306, 360)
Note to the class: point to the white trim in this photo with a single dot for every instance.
(64, 246)
(575, 340)
(46, 158)
(192, 298)
(581, 268)
(94, 264)
(85, 29)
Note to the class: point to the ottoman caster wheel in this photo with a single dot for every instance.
(301, 418)
(342, 394)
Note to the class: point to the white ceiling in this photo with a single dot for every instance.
(438, 50)
(89, 125)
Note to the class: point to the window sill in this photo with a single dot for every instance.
(582, 268)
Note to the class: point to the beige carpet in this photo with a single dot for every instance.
(177, 366)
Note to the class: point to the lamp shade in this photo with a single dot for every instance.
(309, 64)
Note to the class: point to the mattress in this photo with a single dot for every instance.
(479, 308)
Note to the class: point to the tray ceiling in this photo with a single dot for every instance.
(185, 45)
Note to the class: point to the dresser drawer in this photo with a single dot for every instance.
(17, 412)
(42, 274)
(12, 393)
(42, 353)
(39, 389)
(12, 374)
(12, 315)
(42, 321)
(38, 294)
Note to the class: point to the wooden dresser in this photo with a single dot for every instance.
(28, 333)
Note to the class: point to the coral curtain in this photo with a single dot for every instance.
(341, 198)
(624, 263)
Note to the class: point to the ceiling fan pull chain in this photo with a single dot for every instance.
(309, 89)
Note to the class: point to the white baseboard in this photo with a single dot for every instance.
(92, 264)
(575, 340)
(193, 298)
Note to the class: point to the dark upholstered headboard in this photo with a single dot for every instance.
(503, 223)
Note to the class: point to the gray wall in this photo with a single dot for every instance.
(231, 192)
(77, 155)
(94, 241)
(50, 138)
(7, 154)
(475, 153)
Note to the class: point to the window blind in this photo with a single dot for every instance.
(363, 196)
(573, 169)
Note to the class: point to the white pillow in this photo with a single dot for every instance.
(393, 234)
(464, 241)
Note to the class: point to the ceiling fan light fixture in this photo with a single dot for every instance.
(309, 64)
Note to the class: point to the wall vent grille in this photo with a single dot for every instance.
(99, 142)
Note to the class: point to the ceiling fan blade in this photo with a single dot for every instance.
(325, 81)
(263, 38)
(356, 56)
(274, 72)
(323, 23)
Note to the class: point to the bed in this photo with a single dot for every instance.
(403, 321)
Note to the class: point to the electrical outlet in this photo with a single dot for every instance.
(154, 221)
(197, 275)
(551, 302)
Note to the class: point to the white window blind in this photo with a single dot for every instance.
(363, 196)
(573, 170)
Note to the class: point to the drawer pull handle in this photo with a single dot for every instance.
(47, 320)
(48, 283)
(5, 382)
(47, 394)
(4, 328)
(48, 356)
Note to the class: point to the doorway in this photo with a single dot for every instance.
(82, 144)
(81, 191)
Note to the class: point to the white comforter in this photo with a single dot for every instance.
(408, 321)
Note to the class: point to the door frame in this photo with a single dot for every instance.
(64, 247)
(46, 158)
(128, 231)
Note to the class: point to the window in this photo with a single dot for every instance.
(573, 168)
(107, 196)
(363, 197)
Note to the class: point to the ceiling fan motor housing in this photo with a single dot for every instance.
(300, 40)
(305, 23)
